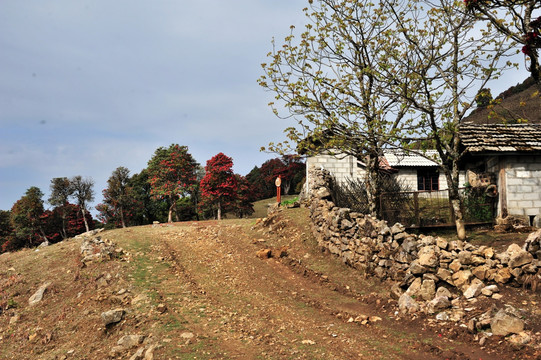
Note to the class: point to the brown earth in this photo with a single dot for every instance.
(197, 290)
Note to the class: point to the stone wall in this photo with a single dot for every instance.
(426, 268)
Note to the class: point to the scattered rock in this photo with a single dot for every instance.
(130, 341)
(38, 295)
(112, 316)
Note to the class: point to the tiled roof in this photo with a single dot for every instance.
(501, 137)
(400, 158)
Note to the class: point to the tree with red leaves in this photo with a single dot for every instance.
(172, 175)
(290, 168)
(219, 186)
(64, 222)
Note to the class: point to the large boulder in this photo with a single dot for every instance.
(506, 322)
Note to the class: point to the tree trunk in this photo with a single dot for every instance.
(454, 199)
(83, 211)
(170, 215)
(372, 190)
(219, 211)
(122, 217)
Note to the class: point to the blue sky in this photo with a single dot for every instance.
(88, 86)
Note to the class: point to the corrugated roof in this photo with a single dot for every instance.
(501, 137)
(397, 158)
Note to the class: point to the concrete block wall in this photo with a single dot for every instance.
(523, 179)
(341, 167)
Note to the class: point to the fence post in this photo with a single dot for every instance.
(416, 206)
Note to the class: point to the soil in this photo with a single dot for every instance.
(199, 290)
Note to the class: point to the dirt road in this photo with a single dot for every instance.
(305, 305)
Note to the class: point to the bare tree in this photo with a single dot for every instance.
(83, 193)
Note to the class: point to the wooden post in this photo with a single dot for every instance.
(416, 206)
(278, 184)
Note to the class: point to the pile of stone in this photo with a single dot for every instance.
(98, 249)
(431, 271)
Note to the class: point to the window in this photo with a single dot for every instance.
(428, 179)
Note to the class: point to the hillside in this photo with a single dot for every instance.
(518, 102)
(198, 290)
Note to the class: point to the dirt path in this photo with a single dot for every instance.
(279, 308)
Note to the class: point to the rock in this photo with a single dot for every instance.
(465, 257)
(480, 272)
(397, 228)
(161, 308)
(455, 265)
(149, 354)
(406, 304)
(442, 316)
(474, 289)
(14, 319)
(428, 256)
(416, 268)
(518, 257)
(187, 335)
(264, 253)
(520, 339)
(396, 292)
(415, 287)
(112, 316)
(461, 278)
(130, 341)
(444, 274)
(428, 290)
(437, 304)
(138, 354)
(502, 275)
(38, 295)
(489, 290)
(442, 243)
(43, 244)
(308, 342)
(505, 323)
(443, 291)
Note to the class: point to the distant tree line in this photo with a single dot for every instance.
(173, 187)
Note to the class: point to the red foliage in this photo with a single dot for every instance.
(219, 186)
(172, 173)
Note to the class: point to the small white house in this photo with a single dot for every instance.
(419, 173)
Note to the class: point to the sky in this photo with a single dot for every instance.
(88, 86)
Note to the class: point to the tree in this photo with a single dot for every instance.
(172, 175)
(61, 190)
(517, 22)
(219, 186)
(245, 196)
(68, 216)
(440, 62)
(118, 195)
(331, 83)
(83, 193)
(26, 218)
(149, 208)
(6, 230)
